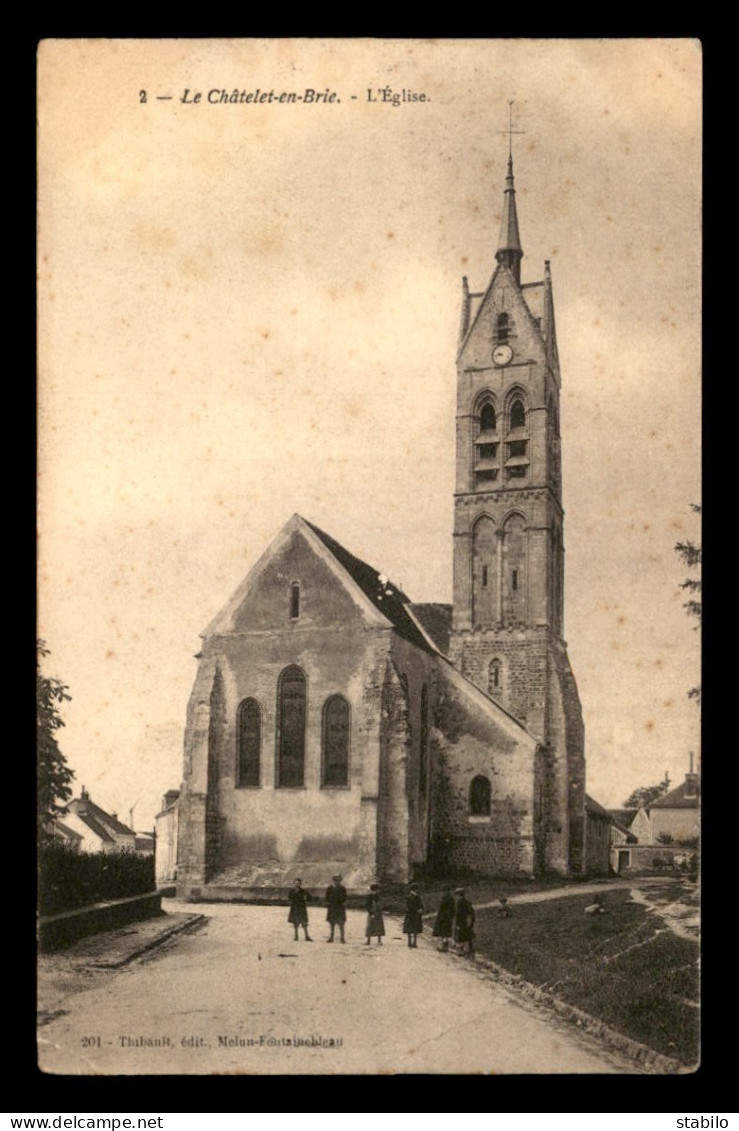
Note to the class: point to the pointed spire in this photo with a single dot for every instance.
(509, 246)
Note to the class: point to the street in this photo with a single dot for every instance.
(240, 995)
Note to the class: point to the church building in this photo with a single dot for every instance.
(336, 726)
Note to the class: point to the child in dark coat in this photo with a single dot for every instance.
(444, 924)
(375, 921)
(335, 910)
(464, 926)
(298, 916)
(413, 922)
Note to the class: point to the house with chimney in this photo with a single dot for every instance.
(96, 830)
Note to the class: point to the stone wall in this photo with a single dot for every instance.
(538, 687)
(165, 846)
(471, 740)
(677, 823)
(598, 845)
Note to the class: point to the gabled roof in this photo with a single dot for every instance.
(96, 827)
(623, 816)
(64, 831)
(426, 625)
(437, 622)
(525, 293)
(386, 597)
(685, 796)
(97, 819)
(595, 809)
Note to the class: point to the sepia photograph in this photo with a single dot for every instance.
(369, 572)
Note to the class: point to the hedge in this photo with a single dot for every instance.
(68, 879)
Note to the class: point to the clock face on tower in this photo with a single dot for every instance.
(502, 354)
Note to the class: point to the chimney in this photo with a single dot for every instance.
(691, 785)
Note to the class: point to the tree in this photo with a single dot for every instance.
(691, 553)
(643, 797)
(54, 775)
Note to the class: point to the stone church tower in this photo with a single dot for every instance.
(508, 618)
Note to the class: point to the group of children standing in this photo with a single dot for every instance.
(455, 918)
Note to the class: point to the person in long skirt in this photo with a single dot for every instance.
(464, 923)
(413, 922)
(444, 925)
(375, 921)
(298, 916)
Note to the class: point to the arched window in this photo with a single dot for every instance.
(486, 448)
(294, 601)
(249, 744)
(495, 677)
(518, 414)
(502, 328)
(484, 588)
(480, 797)
(291, 728)
(513, 573)
(336, 741)
(424, 743)
(487, 418)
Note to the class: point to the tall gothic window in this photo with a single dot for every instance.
(295, 601)
(502, 328)
(514, 570)
(486, 448)
(487, 418)
(484, 573)
(336, 742)
(424, 743)
(480, 796)
(518, 414)
(250, 744)
(291, 728)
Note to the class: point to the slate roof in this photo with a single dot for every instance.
(386, 597)
(437, 621)
(623, 816)
(678, 798)
(101, 823)
(596, 810)
(64, 831)
(96, 827)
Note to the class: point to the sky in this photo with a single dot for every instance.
(250, 309)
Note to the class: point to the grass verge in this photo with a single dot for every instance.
(626, 967)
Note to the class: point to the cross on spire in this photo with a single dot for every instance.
(510, 131)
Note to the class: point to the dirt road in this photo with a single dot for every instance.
(240, 995)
